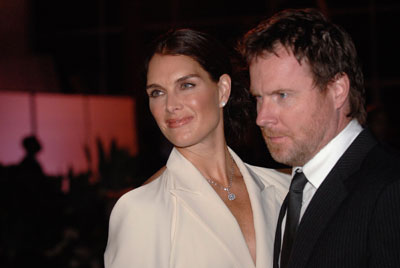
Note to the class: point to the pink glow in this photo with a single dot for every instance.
(14, 125)
(65, 124)
(61, 130)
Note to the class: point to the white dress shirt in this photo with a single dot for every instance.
(322, 163)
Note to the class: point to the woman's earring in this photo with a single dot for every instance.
(222, 104)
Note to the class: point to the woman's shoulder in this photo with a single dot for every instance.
(274, 177)
(151, 195)
(139, 222)
(155, 175)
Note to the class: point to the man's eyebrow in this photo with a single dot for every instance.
(252, 92)
(278, 90)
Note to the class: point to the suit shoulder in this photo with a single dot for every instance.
(383, 162)
(377, 172)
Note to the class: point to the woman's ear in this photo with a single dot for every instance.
(224, 89)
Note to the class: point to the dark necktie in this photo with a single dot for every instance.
(294, 200)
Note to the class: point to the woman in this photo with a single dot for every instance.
(207, 208)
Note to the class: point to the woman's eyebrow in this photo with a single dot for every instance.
(183, 78)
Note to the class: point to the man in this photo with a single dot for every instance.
(309, 89)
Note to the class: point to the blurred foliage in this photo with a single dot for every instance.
(61, 222)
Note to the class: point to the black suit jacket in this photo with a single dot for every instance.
(353, 220)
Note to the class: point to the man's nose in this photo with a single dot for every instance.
(266, 113)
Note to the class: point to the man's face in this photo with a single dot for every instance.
(297, 119)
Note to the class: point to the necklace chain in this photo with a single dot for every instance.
(231, 196)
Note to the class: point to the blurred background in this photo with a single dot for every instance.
(75, 130)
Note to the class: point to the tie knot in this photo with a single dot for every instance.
(298, 182)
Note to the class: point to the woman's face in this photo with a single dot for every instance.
(184, 101)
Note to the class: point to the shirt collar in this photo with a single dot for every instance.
(321, 164)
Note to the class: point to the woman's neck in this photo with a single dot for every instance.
(213, 161)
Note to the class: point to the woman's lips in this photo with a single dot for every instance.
(175, 123)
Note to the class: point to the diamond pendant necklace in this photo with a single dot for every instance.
(231, 196)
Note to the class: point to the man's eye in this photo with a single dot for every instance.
(258, 98)
(283, 95)
(155, 93)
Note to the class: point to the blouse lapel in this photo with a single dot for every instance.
(265, 201)
(265, 204)
(264, 215)
(200, 200)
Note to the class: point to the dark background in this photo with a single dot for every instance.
(96, 47)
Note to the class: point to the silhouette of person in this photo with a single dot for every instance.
(29, 165)
(28, 208)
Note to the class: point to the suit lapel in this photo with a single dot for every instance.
(200, 201)
(328, 198)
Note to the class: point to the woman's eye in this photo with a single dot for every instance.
(187, 85)
(155, 93)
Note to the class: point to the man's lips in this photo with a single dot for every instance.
(178, 122)
(276, 139)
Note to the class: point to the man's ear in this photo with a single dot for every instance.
(224, 89)
(340, 88)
